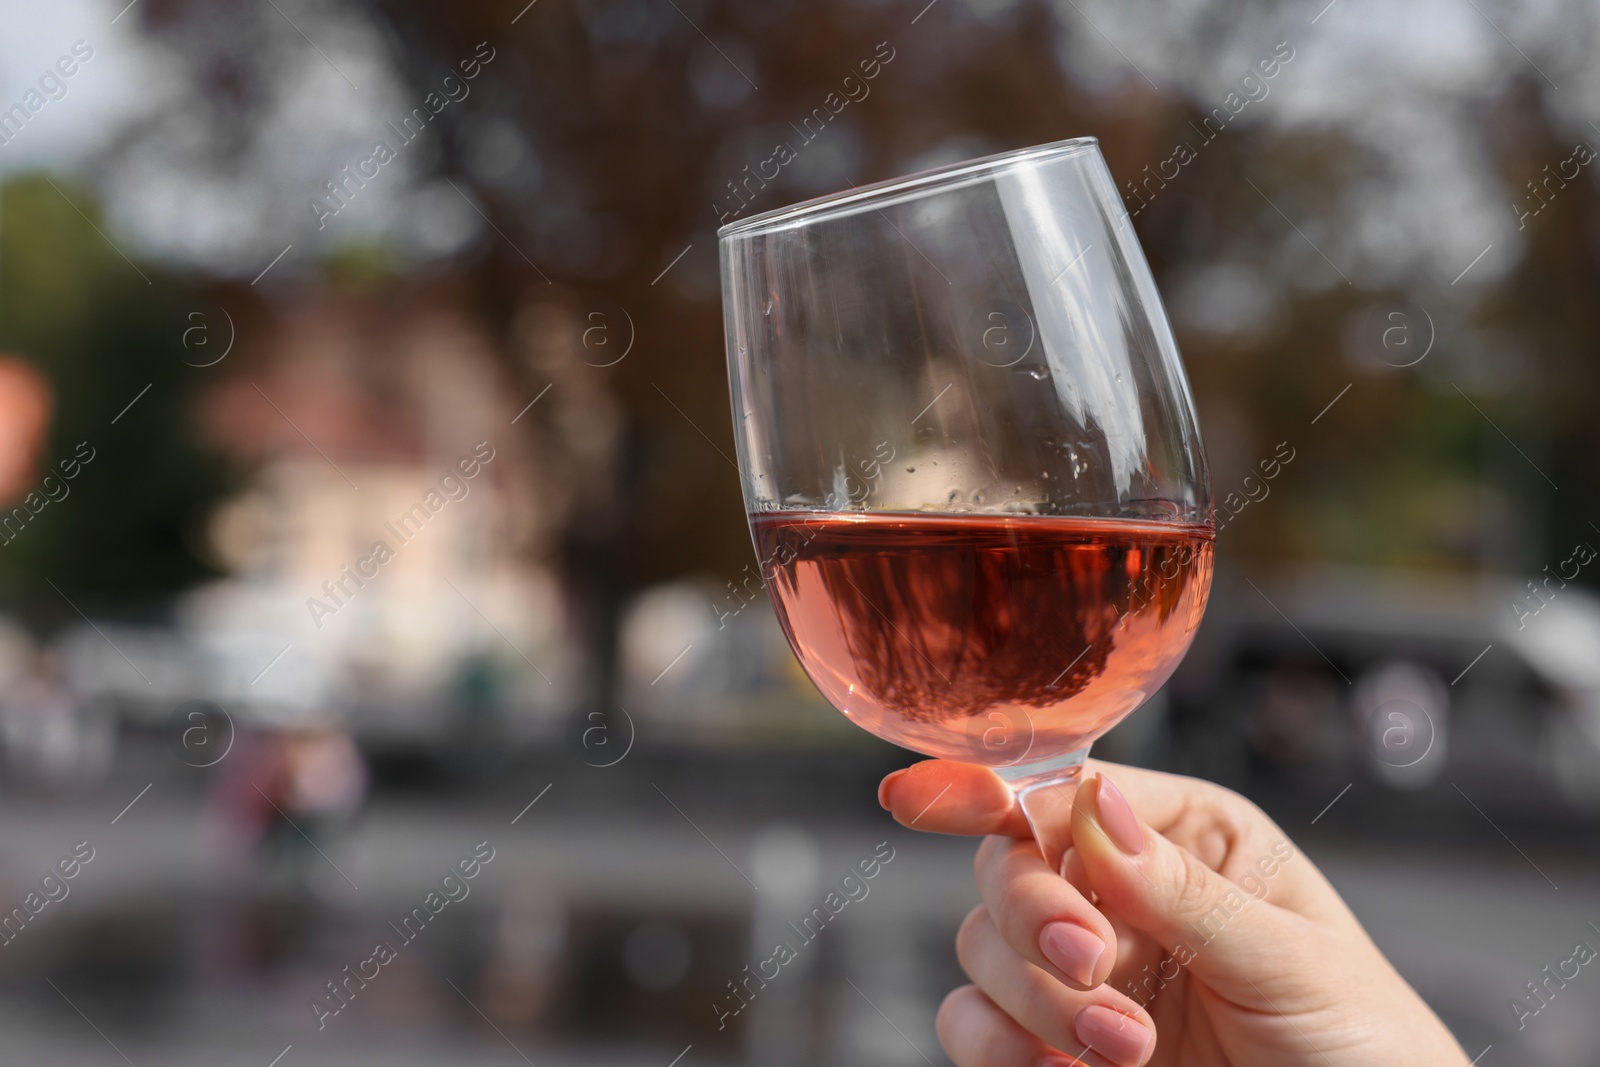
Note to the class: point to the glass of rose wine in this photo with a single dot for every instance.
(971, 459)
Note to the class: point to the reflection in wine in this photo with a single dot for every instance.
(929, 629)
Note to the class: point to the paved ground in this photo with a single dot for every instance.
(125, 969)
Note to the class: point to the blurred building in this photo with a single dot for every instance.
(388, 548)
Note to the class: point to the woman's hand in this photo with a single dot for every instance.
(1188, 930)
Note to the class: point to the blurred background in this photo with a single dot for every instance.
(284, 279)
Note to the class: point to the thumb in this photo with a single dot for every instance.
(1227, 938)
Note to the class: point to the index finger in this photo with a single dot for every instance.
(946, 797)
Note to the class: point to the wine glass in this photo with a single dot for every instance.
(971, 459)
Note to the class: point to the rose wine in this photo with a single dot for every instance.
(997, 639)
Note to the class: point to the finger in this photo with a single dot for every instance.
(1223, 829)
(1043, 917)
(945, 797)
(1097, 1025)
(1073, 871)
(1158, 798)
(1229, 834)
(1206, 923)
(975, 1033)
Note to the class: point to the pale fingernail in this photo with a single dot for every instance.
(1117, 818)
(1119, 1038)
(886, 786)
(1073, 950)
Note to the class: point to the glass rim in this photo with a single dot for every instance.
(877, 194)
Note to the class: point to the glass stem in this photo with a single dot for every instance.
(1046, 790)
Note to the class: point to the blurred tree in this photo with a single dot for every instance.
(1540, 328)
(108, 333)
(608, 137)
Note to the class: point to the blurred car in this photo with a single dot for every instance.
(1407, 677)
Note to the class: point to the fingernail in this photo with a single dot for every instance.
(1120, 1038)
(1116, 818)
(885, 786)
(1052, 1060)
(1073, 950)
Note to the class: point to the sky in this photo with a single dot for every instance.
(97, 101)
